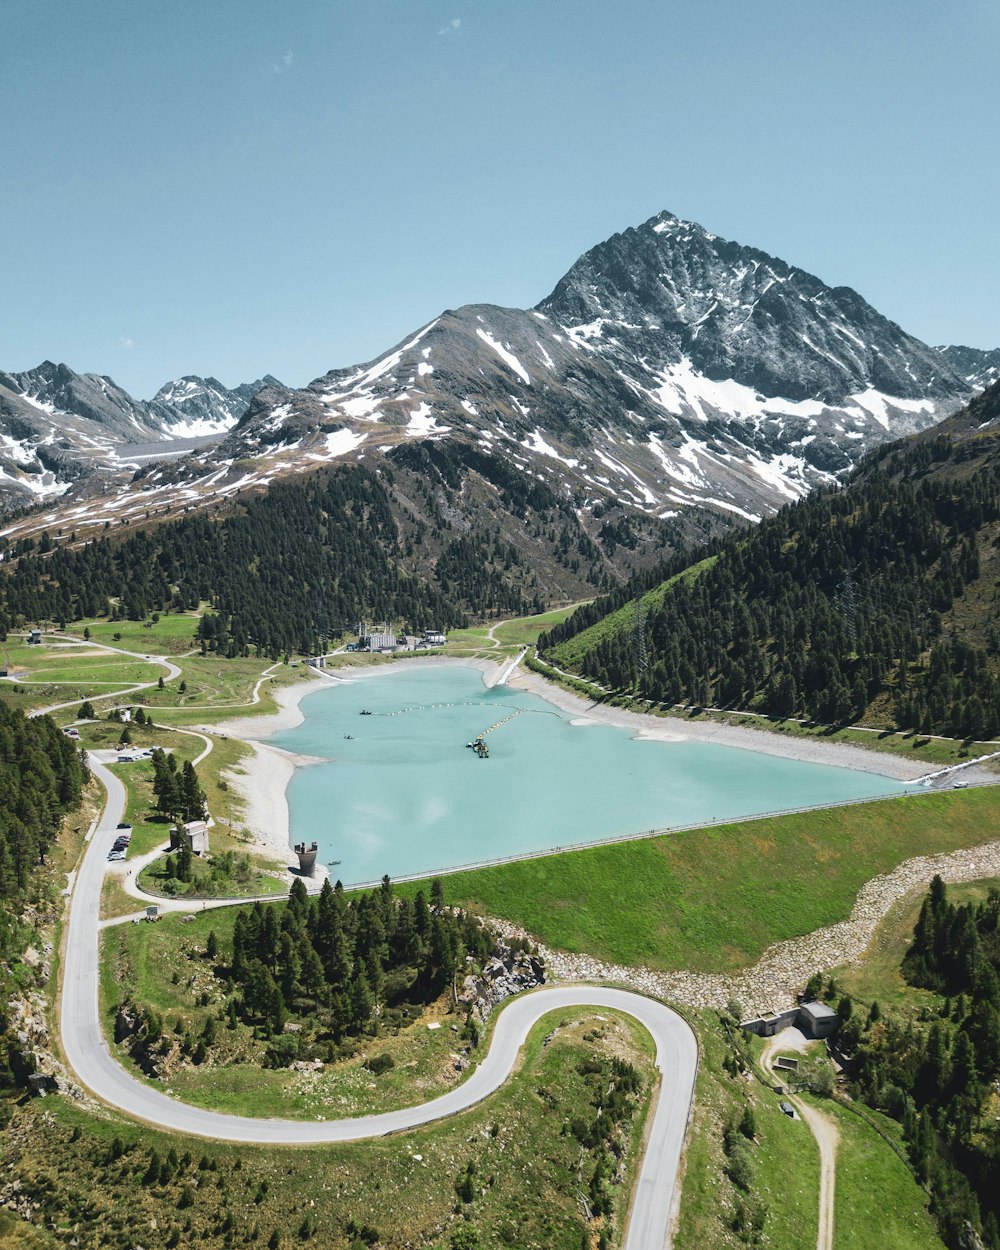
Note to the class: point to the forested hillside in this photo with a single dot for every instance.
(877, 600)
(938, 1075)
(442, 534)
(41, 778)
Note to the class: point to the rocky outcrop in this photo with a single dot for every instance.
(204, 406)
(509, 972)
(979, 366)
(59, 427)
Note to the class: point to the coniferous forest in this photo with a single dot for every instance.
(338, 966)
(938, 1074)
(41, 778)
(297, 565)
(345, 958)
(883, 593)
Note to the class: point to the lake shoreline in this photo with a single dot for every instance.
(263, 785)
(742, 737)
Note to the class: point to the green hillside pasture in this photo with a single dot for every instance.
(712, 900)
(172, 634)
(785, 1158)
(878, 1204)
(105, 673)
(75, 665)
(524, 631)
(16, 1234)
(508, 636)
(219, 689)
(620, 621)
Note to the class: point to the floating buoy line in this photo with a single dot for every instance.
(478, 744)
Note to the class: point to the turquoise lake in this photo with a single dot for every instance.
(405, 795)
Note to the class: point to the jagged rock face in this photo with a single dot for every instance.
(118, 418)
(42, 452)
(669, 369)
(669, 291)
(57, 427)
(979, 367)
(205, 406)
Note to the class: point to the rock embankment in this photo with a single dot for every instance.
(785, 967)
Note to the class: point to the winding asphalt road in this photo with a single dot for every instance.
(89, 1056)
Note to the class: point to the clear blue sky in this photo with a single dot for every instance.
(236, 186)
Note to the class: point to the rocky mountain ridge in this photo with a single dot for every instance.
(670, 375)
(978, 366)
(58, 426)
(669, 369)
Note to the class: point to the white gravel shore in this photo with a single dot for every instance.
(262, 788)
(676, 729)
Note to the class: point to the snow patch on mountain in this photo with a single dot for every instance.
(535, 442)
(506, 356)
(423, 423)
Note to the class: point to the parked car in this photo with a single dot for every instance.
(116, 856)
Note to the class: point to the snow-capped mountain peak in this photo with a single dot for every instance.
(204, 406)
(670, 371)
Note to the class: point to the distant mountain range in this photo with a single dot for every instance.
(58, 427)
(671, 375)
(980, 368)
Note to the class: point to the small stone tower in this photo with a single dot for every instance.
(307, 858)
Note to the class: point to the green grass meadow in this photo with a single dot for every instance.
(712, 900)
(878, 1204)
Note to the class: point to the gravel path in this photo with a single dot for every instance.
(785, 967)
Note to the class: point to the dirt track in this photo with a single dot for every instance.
(823, 1128)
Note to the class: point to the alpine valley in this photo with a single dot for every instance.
(670, 376)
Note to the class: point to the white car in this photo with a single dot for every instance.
(116, 855)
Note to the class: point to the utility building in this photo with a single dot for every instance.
(193, 835)
(383, 639)
(817, 1019)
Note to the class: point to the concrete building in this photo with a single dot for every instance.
(434, 638)
(767, 1026)
(383, 639)
(817, 1019)
(194, 835)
